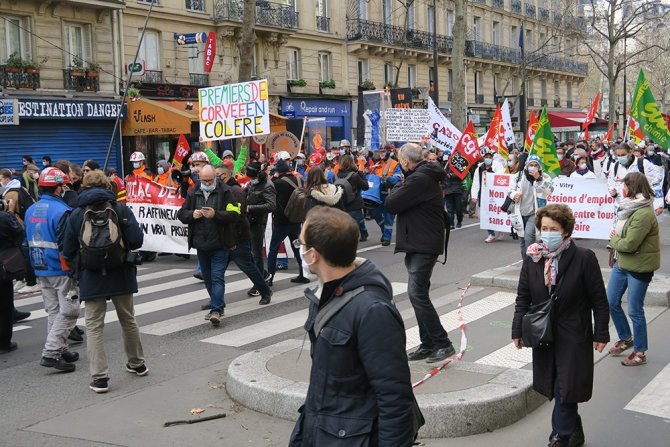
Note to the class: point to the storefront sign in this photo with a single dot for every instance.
(210, 52)
(63, 109)
(168, 91)
(146, 117)
(406, 124)
(314, 107)
(190, 38)
(234, 110)
(9, 112)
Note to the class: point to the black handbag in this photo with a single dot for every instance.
(506, 204)
(12, 264)
(537, 324)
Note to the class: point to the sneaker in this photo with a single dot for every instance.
(60, 364)
(265, 300)
(267, 276)
(282, 267)
(558, 442)
(453, 227)
(215, 318)
(459, 224)
(207, 306)
(141, 370)
(386, 243)
(198, 275)
(620, 346)
(29, 289)
(18, 285)
(19, 316)
(100, 385)
(441, 353)
(253, 292)
(577, 439)
(9, 348)
(300, 280)
(363, 238)
(79, 330)
(490, 239)
(70, 356)
(75, 336)
(270, 280)
(635, 359)
(208, 316)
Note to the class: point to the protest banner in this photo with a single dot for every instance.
(589, 199)
(466, 152)
(155, 208)
(406, 124)
(234, 110)
(443, 134)
(401, 98)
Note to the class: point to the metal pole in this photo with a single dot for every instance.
(436, 91)
(625, 99)
(125, 91)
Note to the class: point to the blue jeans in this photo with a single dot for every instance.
(214, 264)
(279, 233)
(245, 261)
(565, 416)
(359, 217)
(528, 238)
(620, 280)
(384, 220)
(454, 204)
(420, 269)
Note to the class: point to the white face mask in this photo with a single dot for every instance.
(306, 272)
(136, 165)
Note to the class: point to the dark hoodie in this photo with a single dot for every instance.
(420, 208)
(358, 390)
(93, 284)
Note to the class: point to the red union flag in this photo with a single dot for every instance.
(530, 133)
(466, 152)
(210, 51)
(182, 149)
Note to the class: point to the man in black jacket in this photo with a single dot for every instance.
(261, 201)
(211, 213)
(11, 235)
(359, 393)
(417, 202)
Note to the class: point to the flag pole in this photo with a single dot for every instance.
(302, 134)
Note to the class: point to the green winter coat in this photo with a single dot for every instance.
(639, 246)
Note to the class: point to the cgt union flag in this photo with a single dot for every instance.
(466, 152)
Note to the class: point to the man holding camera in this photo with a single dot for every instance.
(116, 283)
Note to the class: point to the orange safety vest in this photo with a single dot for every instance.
(381, 171)
(165, 179)
(141, 172)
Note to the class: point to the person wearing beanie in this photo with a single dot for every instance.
(164, 174)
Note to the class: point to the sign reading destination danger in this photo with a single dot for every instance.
(234, 110)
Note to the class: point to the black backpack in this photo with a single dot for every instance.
(344, 183)
(101, 238)
(296, 206)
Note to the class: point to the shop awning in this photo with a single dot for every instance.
(148, 117)
(571, 121)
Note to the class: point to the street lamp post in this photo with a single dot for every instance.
(436, 92)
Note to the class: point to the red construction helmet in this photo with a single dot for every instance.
(52, 177)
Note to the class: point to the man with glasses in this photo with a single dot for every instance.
(211, 214)
(360, 379)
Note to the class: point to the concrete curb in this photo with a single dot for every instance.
(506, 398)
(658, 293)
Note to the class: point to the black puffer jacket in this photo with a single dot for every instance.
(261, 201)
(93, 284)
(418, 203)
(359, 183)
(359, 394)
(242, 224)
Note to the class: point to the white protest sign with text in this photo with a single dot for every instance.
(406, 124)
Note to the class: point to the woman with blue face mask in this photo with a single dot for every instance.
(563, 370)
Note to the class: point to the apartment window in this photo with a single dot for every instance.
(293, 64)
(514, 37)
(450, 81)
(411, 15)
(363, 9)
(325, 67)
(411, 76)
(542, 43)
(196, 59)
(363, 71)
(389, 73)
(495, 33)
(478, 83)
(496, 86)
(155, 2)
(431, 19)
(387, 11)
(78, 42)
(450, 23)
(557, 89)
(530, 89)
(150, 50)
(515, 82)
(543, 89)
(568, 91)
(528, 43)
(322, 8)
(195, 5)
(557, 43)
(477, 27)
(17, 37)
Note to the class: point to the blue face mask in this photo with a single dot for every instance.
(623, 159)
(552, 239)
(207, 188)
(488, 161)
(160, 170)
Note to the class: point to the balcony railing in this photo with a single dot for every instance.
(500, 4)
(267, 13)
(151, 77)
(530, 102)
(530, 10)
(80, 81)
(568, 104)
(515, 6)
(544, 14)
(398, 36)
(323, 23)
(560, 64)
(490, 51)
(20, 79)
(199, 79)
(543, 102)
(483, 2)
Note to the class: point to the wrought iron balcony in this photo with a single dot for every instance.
(396, 36)
(530, 10)
(267, 13)
(479, 99)
(530, 102)
(151, 77)
(9, 78)
(490, 51)
(199, 79)
(515, 6)
(80, 81)
(483, 2)
(543, 102)
(544, 14)
(568, 104)
(560, 64)
(500, 4)
(323, 23)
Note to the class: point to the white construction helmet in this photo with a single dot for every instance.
(199, 156)
(345, 143)
(137, 156)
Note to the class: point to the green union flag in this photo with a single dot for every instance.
(544, 146)
(646, 112)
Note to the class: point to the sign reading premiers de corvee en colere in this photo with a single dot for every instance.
(64, 109)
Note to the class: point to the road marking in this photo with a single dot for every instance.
(654, 399)
(508, 357)
(161, 274)
(20, 328)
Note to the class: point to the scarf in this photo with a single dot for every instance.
(627, 206)
(538, 251)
